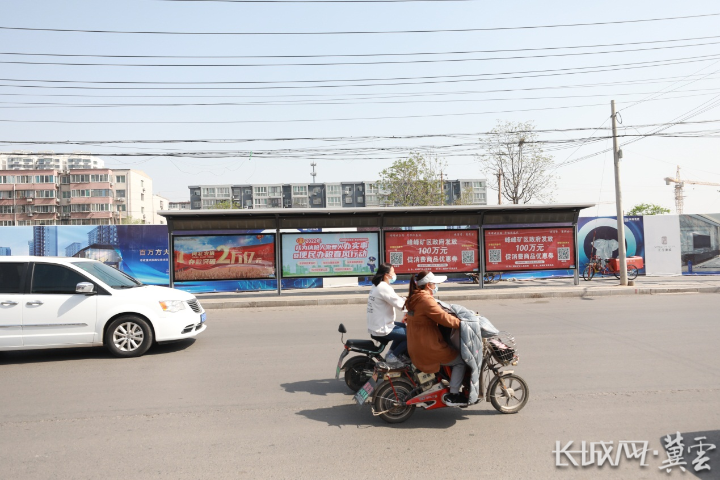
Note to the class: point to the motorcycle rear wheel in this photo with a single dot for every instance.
(385, 399)
(511, 400)
(358, 371)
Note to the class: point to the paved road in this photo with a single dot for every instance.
(254, 397)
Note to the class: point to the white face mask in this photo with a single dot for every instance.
(434, 291)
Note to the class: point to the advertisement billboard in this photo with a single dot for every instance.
(445, 251)
(224, 257)
(329, 254)
(599, 236)
(529, 249)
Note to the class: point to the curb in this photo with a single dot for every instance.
(361, 300)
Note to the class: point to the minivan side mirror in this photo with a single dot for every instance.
(341, 328)
(85, 288)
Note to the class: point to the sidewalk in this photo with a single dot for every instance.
(455, 292)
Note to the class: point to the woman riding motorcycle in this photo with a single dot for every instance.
(382, 302)
(428, 350)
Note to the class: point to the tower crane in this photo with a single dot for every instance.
(679, 184)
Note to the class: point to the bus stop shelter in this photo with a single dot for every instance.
(482, 220)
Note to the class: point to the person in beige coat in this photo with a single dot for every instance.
(426, 346)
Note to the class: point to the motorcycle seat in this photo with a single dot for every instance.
(362, 344)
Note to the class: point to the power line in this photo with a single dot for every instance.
(361, 138)
(365, 101)
(363, 95)
(366, 55)
(456, 78)
(459, 30)
(326, 64)
(318, 1)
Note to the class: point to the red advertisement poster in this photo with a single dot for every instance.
(529, 249)
(435, 250)
(224, 257)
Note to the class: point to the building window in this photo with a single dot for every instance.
(142, 183)
(300, 202)
(65, 179)
(223, 192)
(196, 204)
(142, 197)
(45, 194)
(372, 188)
(81, 193)
(44, 179)
(121, 208)
(208, 192)
(299, 190)
(120, 178)
(348, 200)
(275, 192)
(261, 202)
(119, 193)
(208, 203)
(80, 208)
(101, 207)
(333, 202)
(370, 199)
(66, 194)
(79, 178)
(260, 192)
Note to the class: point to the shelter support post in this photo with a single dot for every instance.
(481, 258)
(278, 265)
(577, 255)
(171, 259)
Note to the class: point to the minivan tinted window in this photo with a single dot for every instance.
(10, 277)
(58, 279)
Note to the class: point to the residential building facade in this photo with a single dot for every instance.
(5, 251)
(48, 161)
(96, 196)
(178, 205)
(321, 195)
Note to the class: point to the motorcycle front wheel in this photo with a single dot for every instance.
(358, 371)
(385, 401)
(513, 397)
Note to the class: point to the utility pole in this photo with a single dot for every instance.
(499, 175)
(442, 191)
(313, 173)
(617, 155)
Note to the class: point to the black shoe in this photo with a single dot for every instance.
(455, 400)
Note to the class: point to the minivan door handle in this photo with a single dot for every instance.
(34, 302)
(8, 303)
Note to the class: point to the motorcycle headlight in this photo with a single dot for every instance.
(172, 306)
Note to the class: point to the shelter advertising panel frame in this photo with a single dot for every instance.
(573, 253)
(174, 280)
(285, 235)
(476, 248)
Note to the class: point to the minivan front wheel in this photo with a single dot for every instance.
(128, 336)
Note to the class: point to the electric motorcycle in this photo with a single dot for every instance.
(360, 368)
(394, 393)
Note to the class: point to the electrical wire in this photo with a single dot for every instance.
(353, 55)
(450, 30)
(386, 62)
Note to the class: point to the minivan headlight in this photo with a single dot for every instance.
(172, 306)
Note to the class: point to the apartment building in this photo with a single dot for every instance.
(78, 196)
(178, 205)
(48, 161)
(321, 195)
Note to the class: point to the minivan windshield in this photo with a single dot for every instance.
(109, 275)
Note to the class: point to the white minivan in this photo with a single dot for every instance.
(53, 302)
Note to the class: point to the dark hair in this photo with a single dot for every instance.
(414, 286)
(382, 270)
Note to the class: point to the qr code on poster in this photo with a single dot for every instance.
(494, 255)
(563, 254)
(396, 258)
(468, 256)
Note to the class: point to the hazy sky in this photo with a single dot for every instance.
(334, 99)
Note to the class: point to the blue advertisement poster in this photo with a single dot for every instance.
(598, 236)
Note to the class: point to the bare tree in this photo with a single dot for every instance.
(514, 154)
